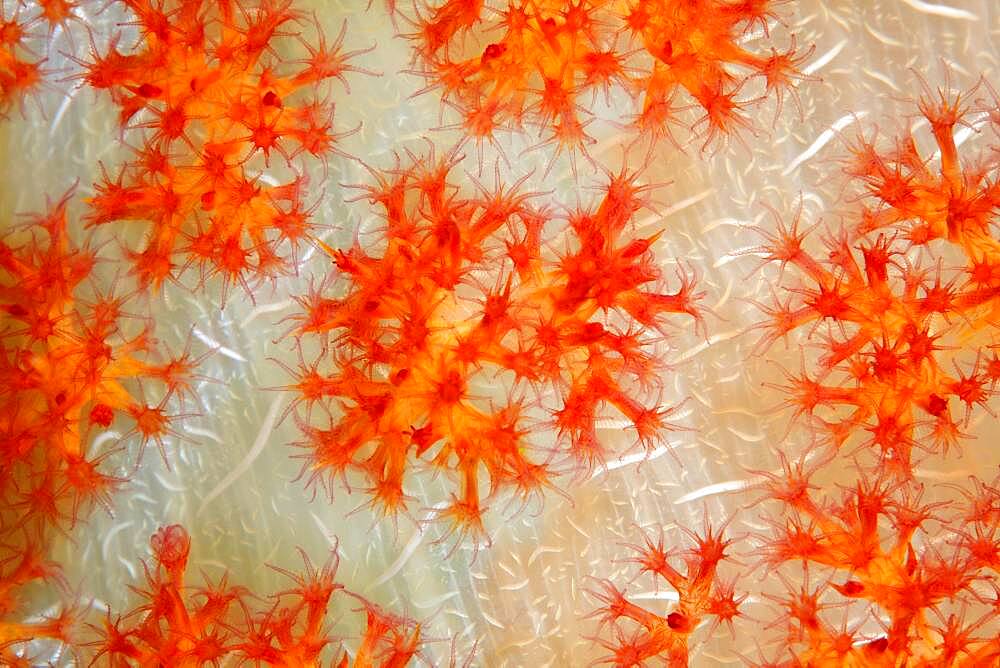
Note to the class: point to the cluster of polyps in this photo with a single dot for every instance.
(463, 287)
(183, 625)
(209, 98)
(905, 291)
(880, 546)
(640, 635)
(537, 63)
(205, 87)
(66, 365)
(896, 315)
(888, 300)
(21, 71)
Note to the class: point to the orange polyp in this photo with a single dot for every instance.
(152, 266)
(21, 75)
(723, 113)
(641, 635)
(152, 424)
(328, 62)
(784, 245)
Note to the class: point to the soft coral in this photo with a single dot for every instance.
(702, 595)
(216, 96)
(218, 621)
(887, 368)
(66, 363)
(406, 342)
(877, 544)
(537, 63)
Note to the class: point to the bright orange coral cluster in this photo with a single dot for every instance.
(183, 625)
(65, 361)
(462, 291)
(215, 102)
(537, 63)
(701, 595)
(902, 288)
(880, 544)
(68, 363)
(481, 327)
(889, 298)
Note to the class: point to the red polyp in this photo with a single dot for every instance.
(170, 548)
(102, 414)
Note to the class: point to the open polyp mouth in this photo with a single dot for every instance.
(498, 333)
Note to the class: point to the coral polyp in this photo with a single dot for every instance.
(464, 289)
(639, 635)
